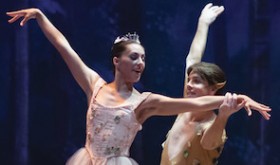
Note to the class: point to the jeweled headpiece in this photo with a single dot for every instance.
(128, 37)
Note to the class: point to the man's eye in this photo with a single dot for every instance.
(196, 81)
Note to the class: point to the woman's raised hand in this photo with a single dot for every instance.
(27, 14)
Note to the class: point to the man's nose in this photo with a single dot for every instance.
(189, 85)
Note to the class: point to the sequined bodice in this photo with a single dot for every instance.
(111, 131)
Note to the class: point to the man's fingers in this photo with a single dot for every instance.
(234, 101)
(215, 8)
(227, 98)
(220, 10)
(208, 5)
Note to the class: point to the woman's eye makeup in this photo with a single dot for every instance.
(143, 58)
(133, 56)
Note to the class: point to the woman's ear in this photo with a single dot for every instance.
(116, 61)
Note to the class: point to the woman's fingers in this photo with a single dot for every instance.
(14, 18)
(265, 115)
(16, 15)
(26, 14)
(12, 13)
(248, 109)
(241, 105)
(262, 110)
(25, 19)
(260, 107)
(265, 106)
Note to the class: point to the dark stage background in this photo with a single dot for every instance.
(42, 116)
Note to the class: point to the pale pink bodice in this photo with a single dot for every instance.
(111, 130)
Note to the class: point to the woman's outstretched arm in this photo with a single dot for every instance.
(85, 76)
(158, 105)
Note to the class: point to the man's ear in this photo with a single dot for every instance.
(214, 89)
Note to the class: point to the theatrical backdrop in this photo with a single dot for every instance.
(43, 110)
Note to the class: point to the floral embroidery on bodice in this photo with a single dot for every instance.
(111, 130)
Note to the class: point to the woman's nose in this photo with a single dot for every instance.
(140, 61)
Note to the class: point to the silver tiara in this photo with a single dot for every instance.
(128, 37)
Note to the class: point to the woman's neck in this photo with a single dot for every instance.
(121, 86)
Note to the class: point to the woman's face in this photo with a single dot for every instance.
(197, 86)
(131, 63)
